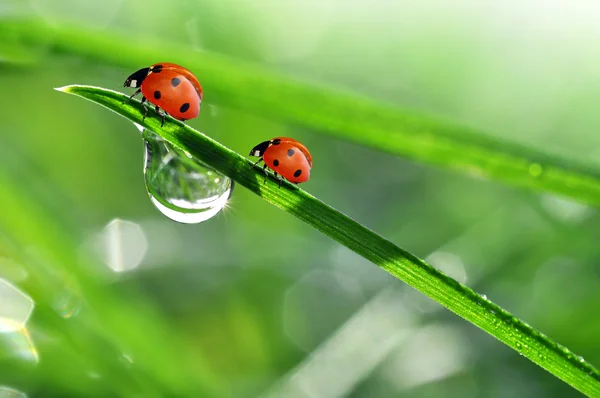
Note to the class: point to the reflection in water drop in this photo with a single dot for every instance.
(181, 187)
(7, 392)
(15, 308)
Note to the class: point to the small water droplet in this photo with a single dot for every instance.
(483, 296)
(535, 169)
(181, 187)
(67, 305)
(581, 359)
(519, 345)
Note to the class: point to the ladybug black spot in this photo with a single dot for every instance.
(175, 82)
(157, 94)
(276, 141)
(184, 107)
(291, 152)
(275, 162)
(297, 173)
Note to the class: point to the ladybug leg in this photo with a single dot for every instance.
(145, 108)
(162, 115)
(257, 162)
(266, 173)
(132, 95)
(279, 180)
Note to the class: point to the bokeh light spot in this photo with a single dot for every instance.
(8, 392)
(433, 353)
(564, 209)
(124, 245)
(450, 264)
(15, 307)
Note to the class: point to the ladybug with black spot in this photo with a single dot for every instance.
(170, 87)
(286, 157)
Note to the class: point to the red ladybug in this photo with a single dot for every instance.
(169, 87)
(286, 157)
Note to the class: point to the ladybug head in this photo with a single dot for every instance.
(136, 79)
(260, 149)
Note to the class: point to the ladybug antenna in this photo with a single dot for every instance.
(260, 148)
(136, 79)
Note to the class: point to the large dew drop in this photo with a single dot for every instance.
(181, 187)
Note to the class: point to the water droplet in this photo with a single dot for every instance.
(535, 169)
(67, 305)
(181, 187)
(581, 359)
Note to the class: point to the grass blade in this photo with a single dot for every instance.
(458, 298)
(345, 115)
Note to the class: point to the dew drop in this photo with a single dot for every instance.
(181, 187)
(67, 305)
(535, 169)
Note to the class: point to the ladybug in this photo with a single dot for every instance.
(170, 87)
(286, 157)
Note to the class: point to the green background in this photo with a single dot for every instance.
(253, 302)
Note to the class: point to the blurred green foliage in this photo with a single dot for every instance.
(235, 306)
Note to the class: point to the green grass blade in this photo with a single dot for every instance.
(403, 265)
(345, 115)
(106, 328)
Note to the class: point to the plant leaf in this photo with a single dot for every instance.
(342, 114)
(456, 297)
